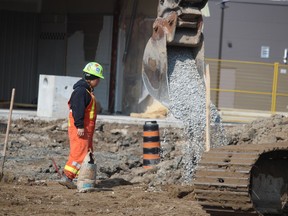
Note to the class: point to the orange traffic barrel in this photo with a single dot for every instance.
(151, 144)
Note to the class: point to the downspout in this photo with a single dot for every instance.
(112, 83)
(133, 15)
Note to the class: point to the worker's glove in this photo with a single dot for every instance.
(80, 132)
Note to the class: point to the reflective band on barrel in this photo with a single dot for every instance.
(151, 156)
(151, 145)
(150, 133)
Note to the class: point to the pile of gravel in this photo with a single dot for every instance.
(188, 103)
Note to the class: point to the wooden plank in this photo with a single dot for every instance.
(221, 173)
(216, 169)
(213, 187)
(223, 181)
(222, 192)
(230, 154)
(228, 160)
(196, 183)
(210, 197)
(238, 206)
(201, 163)
(230, 212)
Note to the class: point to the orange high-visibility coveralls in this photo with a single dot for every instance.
(79, 146)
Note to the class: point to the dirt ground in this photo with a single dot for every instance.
(29, 185)
(37, 149)
(50, 198)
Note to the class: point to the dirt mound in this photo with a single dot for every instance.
(263, 130)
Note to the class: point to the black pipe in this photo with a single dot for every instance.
(223, 6)
(133, 14)
(113, 69)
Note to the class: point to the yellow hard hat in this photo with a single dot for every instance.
(94, 69)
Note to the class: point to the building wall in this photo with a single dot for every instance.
(74, 6)
(58, 38)
(135, 31)
(18, 56)
(21, 5)
(88, 28)
(246, 28)
(74, 41)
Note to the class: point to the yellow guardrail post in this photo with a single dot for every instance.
(274, 87)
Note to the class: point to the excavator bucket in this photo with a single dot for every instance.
(179, 23)
(154, 72)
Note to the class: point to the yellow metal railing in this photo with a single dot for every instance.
(274, 87)
(249, 85)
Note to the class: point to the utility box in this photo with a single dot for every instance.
(53, 95)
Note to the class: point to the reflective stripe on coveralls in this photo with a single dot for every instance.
(79, 146)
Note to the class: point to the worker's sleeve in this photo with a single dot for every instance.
(79, 100)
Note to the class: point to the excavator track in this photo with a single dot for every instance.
(244, 180)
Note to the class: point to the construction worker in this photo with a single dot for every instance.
(81, 124)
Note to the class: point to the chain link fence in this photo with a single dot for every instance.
(249, 85)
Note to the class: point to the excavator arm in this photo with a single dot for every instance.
(178, 23)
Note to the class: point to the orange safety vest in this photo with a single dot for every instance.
(79, 146)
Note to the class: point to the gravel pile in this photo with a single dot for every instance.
(188, 104)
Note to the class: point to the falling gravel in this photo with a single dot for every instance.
(188, 104)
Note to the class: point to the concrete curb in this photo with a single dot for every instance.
(229, 116)
(28, 114)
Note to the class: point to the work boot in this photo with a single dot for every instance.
(65, 181)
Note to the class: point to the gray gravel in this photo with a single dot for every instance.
(188, 104)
